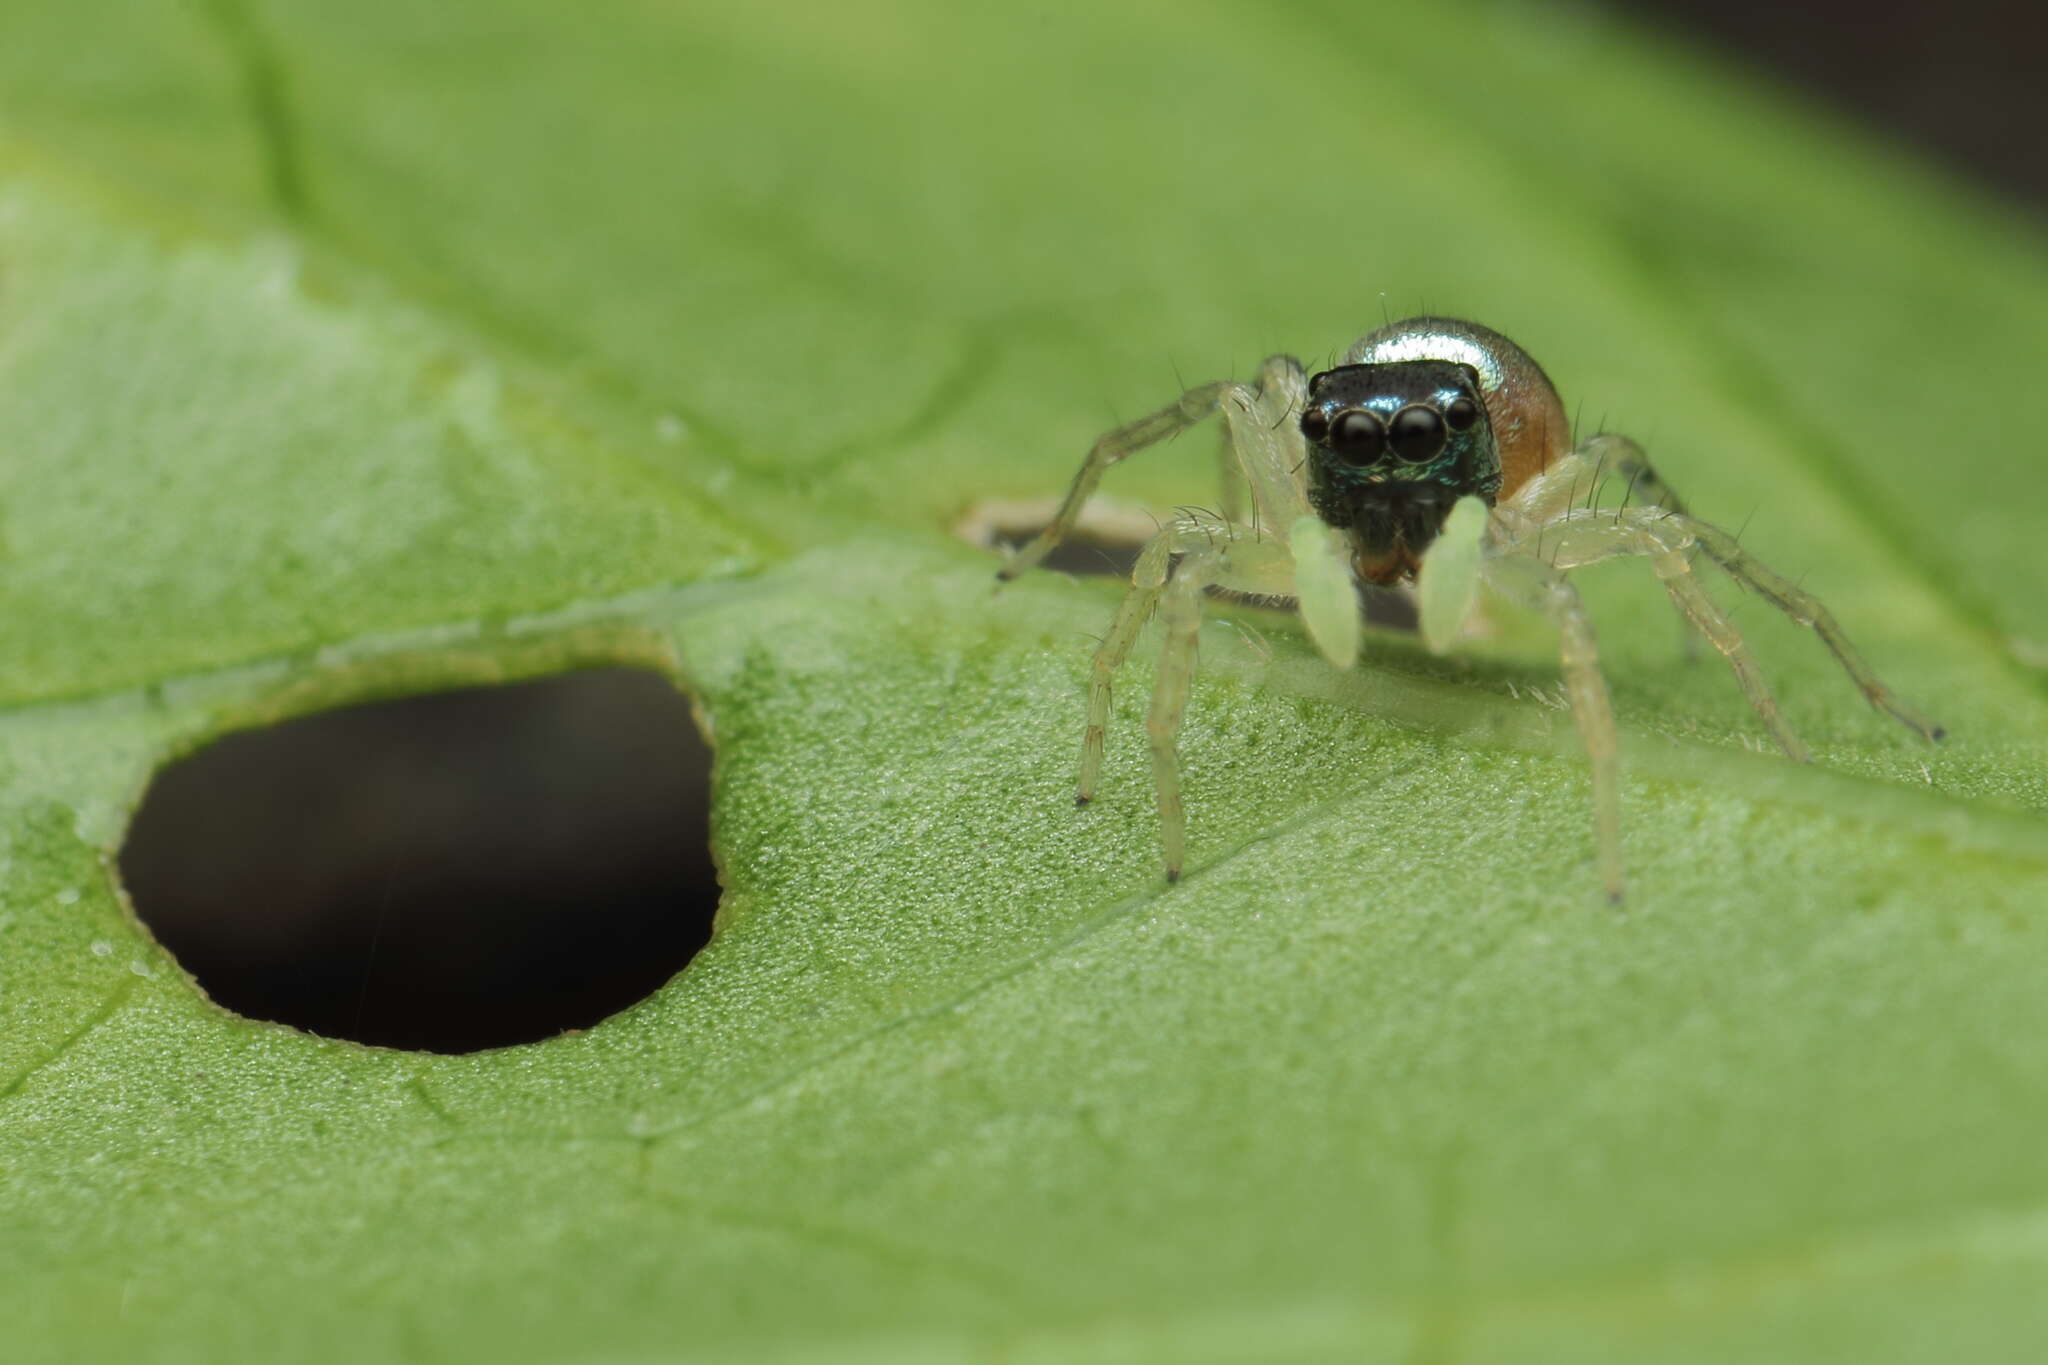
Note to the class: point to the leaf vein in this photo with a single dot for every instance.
(99, 1014)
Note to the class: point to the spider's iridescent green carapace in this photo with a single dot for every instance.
(1395, 445)
(1437, 453)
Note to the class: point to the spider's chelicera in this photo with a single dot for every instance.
(1437, 452)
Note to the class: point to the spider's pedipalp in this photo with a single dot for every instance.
(1325, 589)
(1447, 587)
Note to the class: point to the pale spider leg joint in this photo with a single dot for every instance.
(1806, 609)
(1110, 448)
(1182, 611)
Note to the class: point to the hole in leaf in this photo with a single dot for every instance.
(1106, 541)
(445, 873)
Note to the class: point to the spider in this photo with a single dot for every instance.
(1437, 453)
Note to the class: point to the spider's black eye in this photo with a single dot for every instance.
(1315, 423)
(1418, 433)
(1461, 414)
(1358, 436)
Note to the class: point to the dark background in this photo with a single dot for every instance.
(1964, 83)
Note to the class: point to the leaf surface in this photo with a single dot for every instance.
(356, 350)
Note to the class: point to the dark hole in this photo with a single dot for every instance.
(1081, 555)
(445, 873)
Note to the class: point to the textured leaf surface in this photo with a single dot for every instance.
(352, 350)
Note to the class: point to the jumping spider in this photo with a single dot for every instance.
(1438, 453)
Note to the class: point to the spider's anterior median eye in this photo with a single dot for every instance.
(1358, 436)
(1418, 433)
(1461, 414)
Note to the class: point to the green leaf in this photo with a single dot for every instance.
(350, 350)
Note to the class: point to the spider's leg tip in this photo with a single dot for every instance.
(1082, 798)
(1614, 896)
(1938, 734)
(1172, 875)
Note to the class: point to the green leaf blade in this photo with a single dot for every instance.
(424, 347)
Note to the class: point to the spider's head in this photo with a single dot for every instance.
(1391, 446)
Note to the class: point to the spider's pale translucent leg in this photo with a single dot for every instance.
(1624, 460)
(1604, 473)
(1808, 611)
(1674, 567)
(1262, 449)
(1224, 554)
(1176, 417)
(1594, 712)
(1230, 477)
(1267, 443)
(1621, 459)
(1182, 611)
(1527, 580)
(1148, 577)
